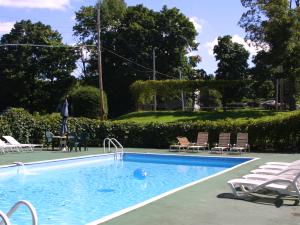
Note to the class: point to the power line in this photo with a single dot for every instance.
(48, 46)
(142, 66)
(85, 46)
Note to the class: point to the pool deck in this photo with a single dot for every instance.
(206, 203)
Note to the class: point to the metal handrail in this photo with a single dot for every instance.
(116, 144)
(104, 144)
(120, 146)
(5, 219)
(13, 209)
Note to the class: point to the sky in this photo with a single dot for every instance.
(211, 18)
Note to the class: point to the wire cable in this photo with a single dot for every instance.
(85, 46)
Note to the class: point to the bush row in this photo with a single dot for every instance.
(279, 132)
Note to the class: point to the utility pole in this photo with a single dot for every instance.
(154, 77)
(281, 94)
(182, 95)
(277, 93)
(100, 62)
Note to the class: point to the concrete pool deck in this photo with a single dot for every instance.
(198, 204)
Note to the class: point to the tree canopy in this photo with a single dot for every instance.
(30, 76)
(232, 65)
(275, 26)
(128, 40)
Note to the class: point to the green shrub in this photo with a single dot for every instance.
(210, 98)
(280, 132)
(18, 123)
(84, 102)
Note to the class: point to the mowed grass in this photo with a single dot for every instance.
(179, 116)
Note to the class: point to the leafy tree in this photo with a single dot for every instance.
(210, 98)
(232, 65)
(34, 77)
(133, 33)
(274, 25)
(84, 101)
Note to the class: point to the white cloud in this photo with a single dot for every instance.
(5, 27)
(210, 46)
(249, 46)
(197, 23)
(41, 4)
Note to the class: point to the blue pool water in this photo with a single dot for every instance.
(79, 191)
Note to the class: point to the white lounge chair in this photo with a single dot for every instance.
(280, 167)
(7, 147)
(280, 184)
(274, 170)
(287, 174)
(282, 163)
(14, 142)
(273, 167)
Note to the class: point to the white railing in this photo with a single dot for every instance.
(5, 217)
(118, 147)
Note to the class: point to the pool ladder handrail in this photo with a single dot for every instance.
(116, 144)
(5, 217)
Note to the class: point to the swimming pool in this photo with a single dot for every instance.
(89, 190)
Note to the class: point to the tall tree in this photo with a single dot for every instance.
(232, 65)
(34, 77)
(133, 34)
(275, 25)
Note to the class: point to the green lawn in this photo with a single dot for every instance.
(178, 116)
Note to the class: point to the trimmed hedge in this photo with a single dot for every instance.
(144, 91)
(280, 132)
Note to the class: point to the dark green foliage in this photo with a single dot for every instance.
(210, 98)
(34, 77)
(232, 65)
(133, 32)
(18, 123)
(279, 132)
(145, 90)
(84, 102)
(274, 26)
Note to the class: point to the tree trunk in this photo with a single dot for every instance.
(291, 93)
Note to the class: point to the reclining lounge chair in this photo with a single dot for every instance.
(202, 142)
(241, 144)
(223, 144)
(14, 142)
(281, 184)
(183, 144)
